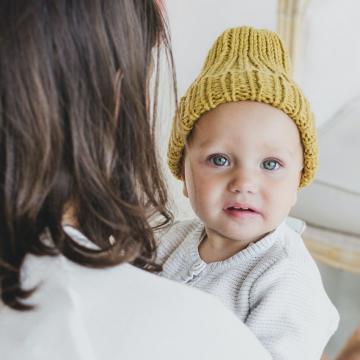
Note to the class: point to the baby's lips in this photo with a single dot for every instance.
(241, 206)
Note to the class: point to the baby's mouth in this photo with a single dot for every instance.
(240, 210)
(243, 209)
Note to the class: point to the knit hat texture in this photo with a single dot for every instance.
(245, 64)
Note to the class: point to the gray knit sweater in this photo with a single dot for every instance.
(273, 286)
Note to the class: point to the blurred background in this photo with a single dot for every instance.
(322, 37)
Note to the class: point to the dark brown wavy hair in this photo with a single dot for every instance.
(76, 132)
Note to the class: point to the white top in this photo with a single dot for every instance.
(273, 286)
(118, 313)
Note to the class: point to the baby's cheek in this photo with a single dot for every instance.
(294, 198)
(278, 199)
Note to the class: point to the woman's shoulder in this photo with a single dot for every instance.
(82, 311)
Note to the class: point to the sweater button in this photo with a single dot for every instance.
(198, 267)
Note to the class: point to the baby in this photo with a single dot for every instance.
(243, 142)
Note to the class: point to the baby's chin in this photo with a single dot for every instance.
(244, 236)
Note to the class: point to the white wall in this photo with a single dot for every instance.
(195, 24)
(330, 73)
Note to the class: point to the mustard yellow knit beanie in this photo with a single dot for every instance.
(245, 64)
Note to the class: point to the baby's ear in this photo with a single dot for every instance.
(185, 191)
(182, 171)
(295, 196)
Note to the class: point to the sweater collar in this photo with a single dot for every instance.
(250, 253)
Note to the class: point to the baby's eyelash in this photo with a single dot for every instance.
(271, 164)
(218, 160)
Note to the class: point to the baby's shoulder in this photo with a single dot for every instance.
(288, 274)
(295, 251)
(288, 258)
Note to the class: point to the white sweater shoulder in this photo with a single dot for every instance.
(118, 313)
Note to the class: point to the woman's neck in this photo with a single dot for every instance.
(69, 217)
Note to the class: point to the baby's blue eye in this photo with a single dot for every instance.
(219, 160)
(270, 164)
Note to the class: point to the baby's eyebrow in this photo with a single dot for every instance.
(280, 150)
(274, 148)
(208, 143)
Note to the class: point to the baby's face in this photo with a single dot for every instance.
(242, 169)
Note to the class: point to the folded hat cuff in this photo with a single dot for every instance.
(208, 92)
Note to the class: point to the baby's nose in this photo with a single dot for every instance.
(243, 183)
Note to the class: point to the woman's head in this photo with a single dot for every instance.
(75, 130)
